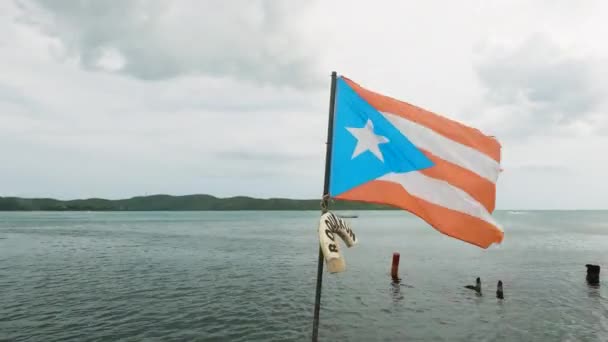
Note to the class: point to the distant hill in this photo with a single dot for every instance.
(168, 202)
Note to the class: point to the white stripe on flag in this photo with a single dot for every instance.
(445, 148)
(441, 193)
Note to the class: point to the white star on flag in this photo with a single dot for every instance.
(367, 140)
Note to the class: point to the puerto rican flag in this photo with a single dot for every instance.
(390, 152)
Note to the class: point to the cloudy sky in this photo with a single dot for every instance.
(122, 98)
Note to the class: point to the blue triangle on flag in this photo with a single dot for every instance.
(366, 145)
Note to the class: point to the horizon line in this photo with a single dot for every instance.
(258, 198)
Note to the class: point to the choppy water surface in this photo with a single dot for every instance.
(250, 276)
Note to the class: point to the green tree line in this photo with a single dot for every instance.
(168, 202)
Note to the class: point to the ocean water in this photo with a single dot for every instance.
(250, 276)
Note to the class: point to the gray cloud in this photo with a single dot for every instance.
(253, 40)
(538, 86)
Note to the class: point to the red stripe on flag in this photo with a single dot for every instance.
(478, 187)
(450, 222)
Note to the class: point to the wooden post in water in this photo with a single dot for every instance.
(395, 267)
(499, 291)
(593, 274)
(324, 204)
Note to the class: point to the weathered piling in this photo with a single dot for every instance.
(395, 267)
(499, 291)
(593, 274)
(476, 287)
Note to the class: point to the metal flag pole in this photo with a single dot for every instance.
(324, 204)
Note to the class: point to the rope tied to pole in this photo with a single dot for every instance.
(325, 202)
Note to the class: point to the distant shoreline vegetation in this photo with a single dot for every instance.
(176, 203)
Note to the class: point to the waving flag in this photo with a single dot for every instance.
(386, 151)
